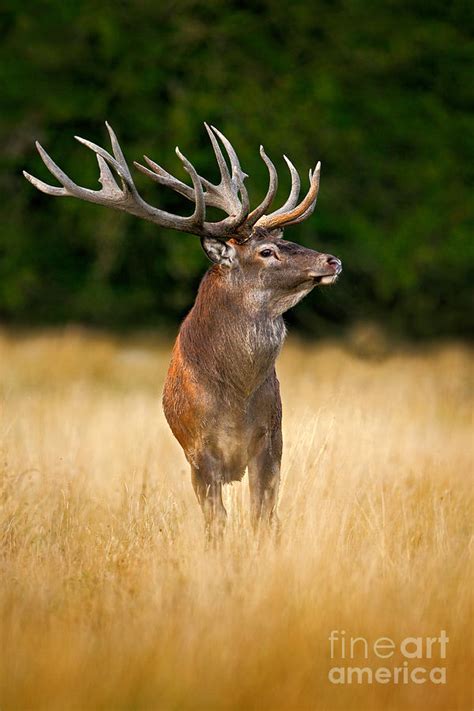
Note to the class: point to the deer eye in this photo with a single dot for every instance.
(266, 253)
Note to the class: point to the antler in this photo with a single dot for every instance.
(229, 195)
(290, 213)
(127, 198)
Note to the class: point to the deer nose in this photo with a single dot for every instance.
(334, 262)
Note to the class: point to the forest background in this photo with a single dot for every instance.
(381, 93)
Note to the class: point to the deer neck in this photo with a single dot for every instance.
(228, 336)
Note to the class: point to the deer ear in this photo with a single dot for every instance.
(218, 251)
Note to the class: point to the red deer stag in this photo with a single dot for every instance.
(221, 396)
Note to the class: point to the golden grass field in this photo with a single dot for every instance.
(110, 598)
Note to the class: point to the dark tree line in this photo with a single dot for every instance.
(381, 92)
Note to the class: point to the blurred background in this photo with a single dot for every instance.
(381, 93)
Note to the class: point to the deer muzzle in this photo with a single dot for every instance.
(328, 271)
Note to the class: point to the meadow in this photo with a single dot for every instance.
(110, 598)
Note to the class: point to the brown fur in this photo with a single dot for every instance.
(221, 396)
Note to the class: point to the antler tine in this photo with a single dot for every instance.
(308, 212)
(106, 179)
(234, 161)
(199, 214)
(118, 153)
(298, 213)
(237, 181)
(272, 188)
(44, 187)
(161, 176)
(292, 197)
(225, 184)
(294, 191)
(120, 167)
(53, 169)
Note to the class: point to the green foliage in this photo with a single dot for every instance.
(380, 92)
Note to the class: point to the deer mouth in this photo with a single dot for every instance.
(329, 277)
(325, 279)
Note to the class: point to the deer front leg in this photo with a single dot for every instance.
(209, 495)
(264, 479)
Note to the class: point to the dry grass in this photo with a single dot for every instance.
(109, 598)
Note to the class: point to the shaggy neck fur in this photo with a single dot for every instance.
(229, 336)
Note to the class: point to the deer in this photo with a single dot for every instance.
(221, 396)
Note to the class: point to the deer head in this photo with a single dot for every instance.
(247, 243)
